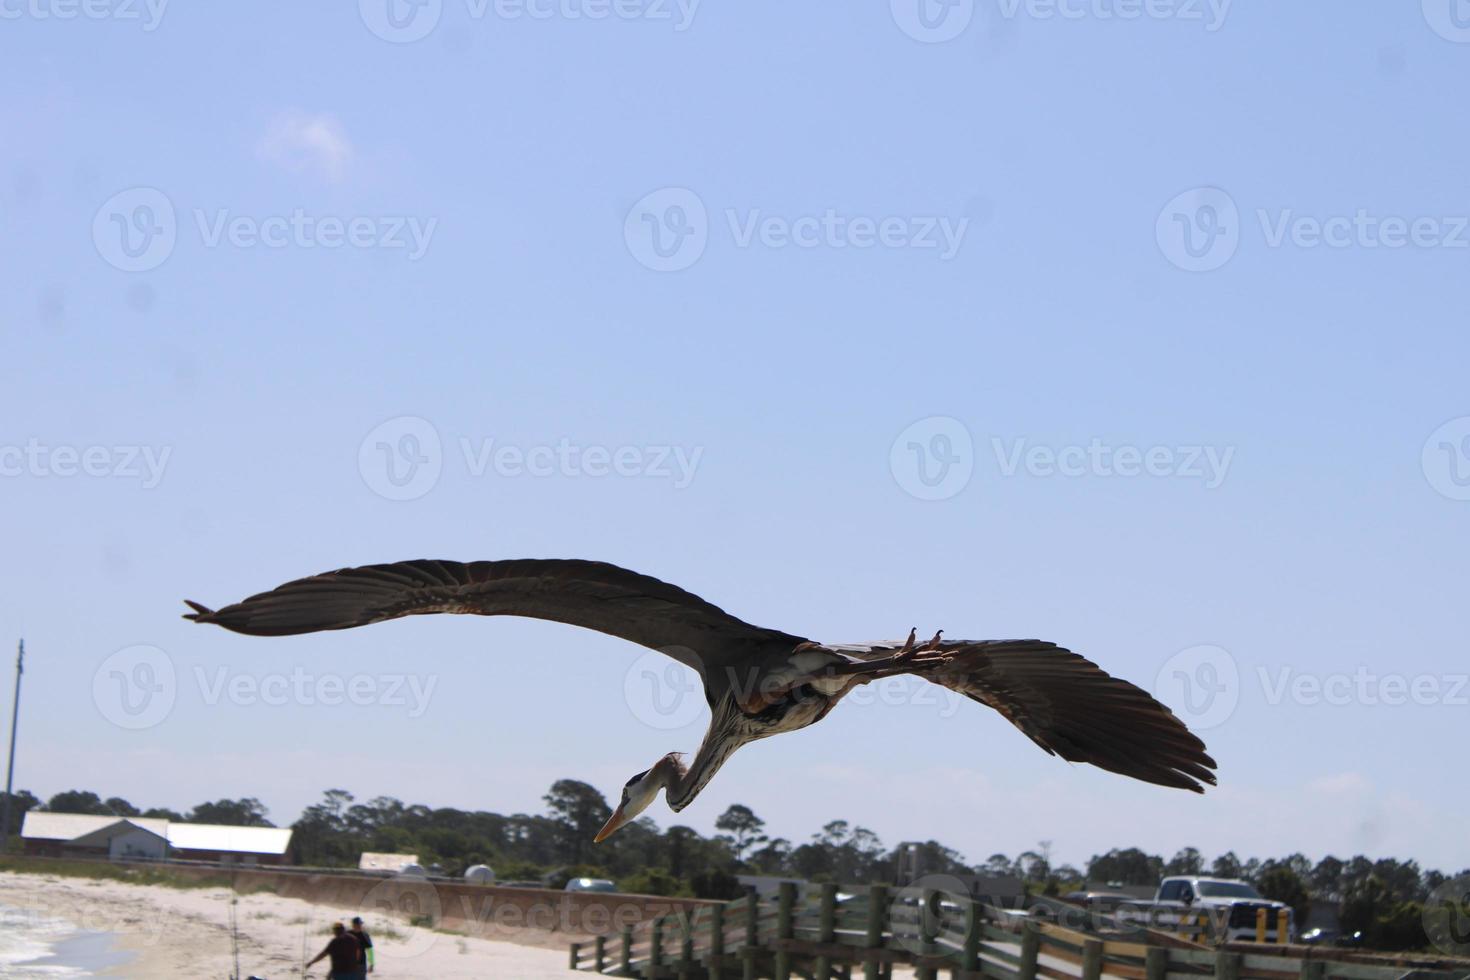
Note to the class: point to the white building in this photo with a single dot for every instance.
(151, 838)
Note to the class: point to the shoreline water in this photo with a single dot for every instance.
(33, 944)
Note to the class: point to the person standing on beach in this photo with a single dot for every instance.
(365, 945)
(344, 951)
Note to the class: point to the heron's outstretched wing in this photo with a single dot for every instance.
(1069, 706)
(591, 594)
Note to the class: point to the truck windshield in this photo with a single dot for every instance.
(1227, 889)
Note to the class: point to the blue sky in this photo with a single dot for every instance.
(1144, 335)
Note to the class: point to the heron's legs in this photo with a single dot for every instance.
(909, 659)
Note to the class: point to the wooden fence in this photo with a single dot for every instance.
(829, 935)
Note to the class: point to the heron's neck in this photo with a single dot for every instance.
(671, 774)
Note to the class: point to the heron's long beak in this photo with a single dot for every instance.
(613, 823)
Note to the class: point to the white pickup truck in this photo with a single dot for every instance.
(1212, 909)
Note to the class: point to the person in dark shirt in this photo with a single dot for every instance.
(365, 954)
(344, 952)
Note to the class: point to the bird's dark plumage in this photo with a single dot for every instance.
(1063, 702)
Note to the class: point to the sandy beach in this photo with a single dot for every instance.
(168, 932)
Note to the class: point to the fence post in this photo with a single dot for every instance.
(877, 912)
(1227, 965)
(785, 898)
(1092, 950)
(686, 947)
(1156, 963)
(1283, 926)
(655, 946)
(625, 962)
(1261, 925)
(599, 952)
(716, 941)
(752, 933)
(1030, 950)
(927, 901)
(826, 928)
(574, 956)
(973, 920)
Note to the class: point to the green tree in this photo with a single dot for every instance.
(1227, 865)
(744, 828)
(1129, 866)
(244, 812)
(578, 811)
(1186, 862)
(78, 801)
(1280, 883)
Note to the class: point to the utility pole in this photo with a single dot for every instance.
(20, 660)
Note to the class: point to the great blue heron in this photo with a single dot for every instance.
(758, 681)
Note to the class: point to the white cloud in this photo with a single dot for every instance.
(302, 141)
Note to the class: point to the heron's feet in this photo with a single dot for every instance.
(910, 652)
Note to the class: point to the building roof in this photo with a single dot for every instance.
(104, 834)
(69, 827)
(217, 837)
(372, 861)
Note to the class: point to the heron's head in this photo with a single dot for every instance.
(640, 791)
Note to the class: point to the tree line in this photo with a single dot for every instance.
(1381, 897)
